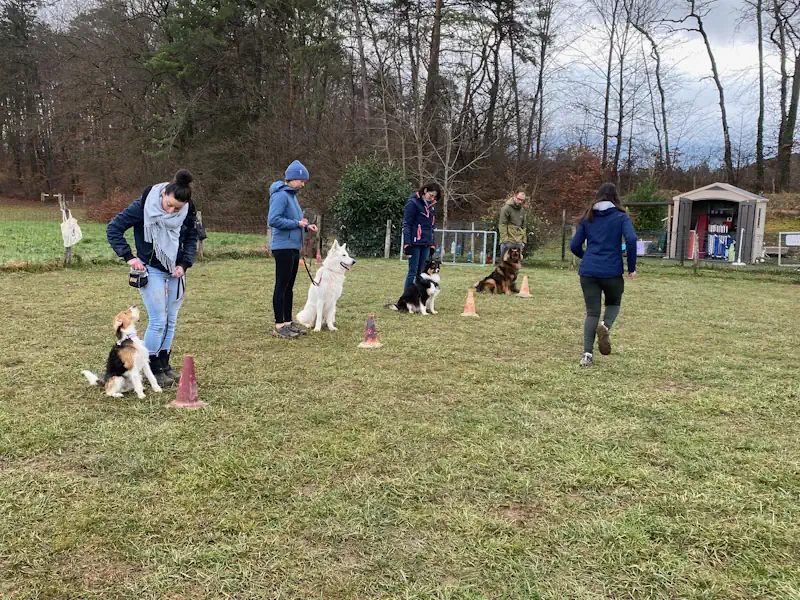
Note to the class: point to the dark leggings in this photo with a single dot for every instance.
(593, 290)
(286, 264)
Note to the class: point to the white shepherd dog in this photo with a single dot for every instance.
(322, 297)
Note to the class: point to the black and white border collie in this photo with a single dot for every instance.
(420, 295)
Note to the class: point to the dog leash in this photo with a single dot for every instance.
(305, 264)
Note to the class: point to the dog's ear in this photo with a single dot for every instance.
(335, 245)
(118, 321)
(343, 247)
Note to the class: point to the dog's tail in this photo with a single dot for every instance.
(91, 377)
(391, 306)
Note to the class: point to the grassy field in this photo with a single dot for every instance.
(30, 237)
(466, 459)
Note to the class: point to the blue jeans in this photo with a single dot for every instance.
(161, 300)
(416, 261)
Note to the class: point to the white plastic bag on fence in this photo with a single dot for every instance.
(70, 232)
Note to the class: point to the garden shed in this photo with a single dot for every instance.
(721, 217)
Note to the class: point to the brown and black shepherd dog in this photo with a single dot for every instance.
(501, 280)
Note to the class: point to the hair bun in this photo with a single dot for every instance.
(183, 178)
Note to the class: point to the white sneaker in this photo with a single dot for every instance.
(586, 361)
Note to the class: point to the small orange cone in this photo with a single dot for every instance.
(302, 262)
(370, 334)
(525, 291)
(469, 307)
(187, 388)
(319, 257)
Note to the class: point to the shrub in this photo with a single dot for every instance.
(370, 192)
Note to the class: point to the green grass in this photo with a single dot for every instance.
(30, 238)
(467, 458)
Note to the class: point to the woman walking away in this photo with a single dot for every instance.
(165, 235)
(287, 222)
(602, 227)
(418, 224)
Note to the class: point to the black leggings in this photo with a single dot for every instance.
(593, 290)
(286, 264)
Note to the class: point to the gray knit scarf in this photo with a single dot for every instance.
(163, 229)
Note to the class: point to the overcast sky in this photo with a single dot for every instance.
(693, 101)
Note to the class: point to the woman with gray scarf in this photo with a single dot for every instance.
(165, 235)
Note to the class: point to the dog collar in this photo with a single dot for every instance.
(130, 336)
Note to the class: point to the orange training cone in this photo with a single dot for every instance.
(469, 307)
(370, 334)
(525, 291)
(302, 262)
(319, 257)
(187, 388)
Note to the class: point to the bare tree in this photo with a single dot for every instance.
(643, 15)
(698, 13)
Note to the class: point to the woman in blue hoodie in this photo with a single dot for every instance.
(418, 225)
(287, 222)
(602, 227)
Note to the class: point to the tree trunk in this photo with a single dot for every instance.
(515, 87)
(604, 159)
(760, 132)
(432, 87)
(662, 95)
(493, 91)
(781, 43)
(787, 143)
(363, 61)
(725, 133)
(623, 41)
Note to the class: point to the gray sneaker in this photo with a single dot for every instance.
(603, 339)
(284, 332)
(586, 361)
(297, 328)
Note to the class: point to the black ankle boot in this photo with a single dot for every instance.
(158, 371)
(168, 370)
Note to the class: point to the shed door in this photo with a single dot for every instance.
(684, 225)
(747, 220)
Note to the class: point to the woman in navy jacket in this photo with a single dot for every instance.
(603, 226)
(418, 225)
(165, 235)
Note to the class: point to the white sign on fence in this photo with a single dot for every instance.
(793, 239)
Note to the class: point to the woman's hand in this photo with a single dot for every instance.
(179, 272)
(303, 223)
(313, 228)
(632, 275)
(136, 264)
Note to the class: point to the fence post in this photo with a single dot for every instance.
(574, 230)
(387, 243)
(472, 243)
(319, 233)
(200, 242)
(269, 241)
(682, 249)
(563, 234)
(695, 254)
(64, 216)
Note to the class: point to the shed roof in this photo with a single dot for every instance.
(720, 191)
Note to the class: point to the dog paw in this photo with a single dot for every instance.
(140, 396)
(434, 312)
(318, 329)
(157, 389)
(332, 328)
(116, 395)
